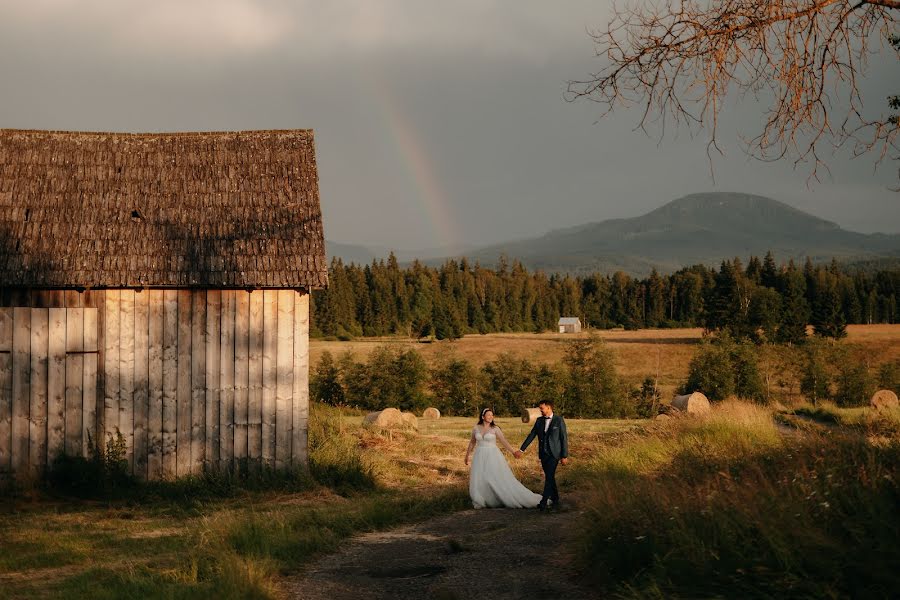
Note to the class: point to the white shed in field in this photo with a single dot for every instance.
(157, 285)
(569, 325)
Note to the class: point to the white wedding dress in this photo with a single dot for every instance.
(491, 481)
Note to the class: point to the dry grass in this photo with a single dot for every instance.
(662, 353)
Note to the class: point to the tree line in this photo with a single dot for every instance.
(583, 384)
(762, 301)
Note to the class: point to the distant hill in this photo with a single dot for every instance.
(699, 228)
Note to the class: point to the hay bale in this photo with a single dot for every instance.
(410, 420)
(693, 404)
(431, 413)
(530, 415)
(386, 419)
(884, 400)
(662, 417)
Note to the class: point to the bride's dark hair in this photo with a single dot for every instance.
(481, 417)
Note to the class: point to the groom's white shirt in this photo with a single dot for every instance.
(547, 420)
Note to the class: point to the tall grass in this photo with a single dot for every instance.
(216, 536)
(724, 506)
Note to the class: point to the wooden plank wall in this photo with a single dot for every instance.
(191, 379)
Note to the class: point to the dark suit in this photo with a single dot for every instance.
(553, 445)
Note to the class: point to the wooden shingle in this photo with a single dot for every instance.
(105, 210)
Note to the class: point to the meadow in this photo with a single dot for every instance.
(786, 500)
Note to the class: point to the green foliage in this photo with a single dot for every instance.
(592, 387)
(335, 459)
(889, 377)
(507, 384)
(828, 318)
(815, 382)
(325, 383)
(711, 373)
(723, 368)
(457, 299)
(104, 474)
(391, 378)
(646, 399)
(454, 388)
(725, 508)
(855, 385)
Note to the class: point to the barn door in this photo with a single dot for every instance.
(48, 385)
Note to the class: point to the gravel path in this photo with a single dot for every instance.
(489, 554)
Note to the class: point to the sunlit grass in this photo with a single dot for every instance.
(726, 506)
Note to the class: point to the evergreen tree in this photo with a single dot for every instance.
(828, 315)
(794, 308)
(754, 271)
(325, 385)
(815, 383)
(769, 275)
(593, 388)
(454, 389)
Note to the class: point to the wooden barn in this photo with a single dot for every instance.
(569, 325)
(157, 285)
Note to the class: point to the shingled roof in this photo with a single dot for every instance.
(223, 209)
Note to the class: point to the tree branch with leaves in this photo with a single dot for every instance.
(804, 59)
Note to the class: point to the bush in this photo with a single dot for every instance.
(889, 377)
(646, 399)
(453, 387)
(103, 474)
(710, 373)
(815, 383)
(724, 368)
(325, 383)
(593, 388)
(390, 378)
(855, 385)
(507, 384)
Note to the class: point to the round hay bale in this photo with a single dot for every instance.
(530, 415)
(410, 420)
(431, 413)
(693, 404)
(884, 400)
(662, 417)
(387, 418)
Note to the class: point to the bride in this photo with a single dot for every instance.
(491, 482)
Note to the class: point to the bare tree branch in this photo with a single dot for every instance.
(678, 60)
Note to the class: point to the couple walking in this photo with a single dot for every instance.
(492, 483)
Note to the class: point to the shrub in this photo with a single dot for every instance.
(507, 384)
(710, 373)
(815, 383)
(593, 388)
(453, 387)
(325, 384)
(724, 368)
(855, 385)
(646, 398)
(889, 377)
(104, 473)
(391, 377)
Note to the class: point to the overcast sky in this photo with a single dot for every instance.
(436, 123)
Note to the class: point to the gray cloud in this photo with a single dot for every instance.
(435, 122)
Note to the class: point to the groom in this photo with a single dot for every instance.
(553, 448)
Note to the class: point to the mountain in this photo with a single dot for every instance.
(699, 228)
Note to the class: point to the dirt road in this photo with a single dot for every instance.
(489, 554)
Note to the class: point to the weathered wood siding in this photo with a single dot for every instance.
(191, 379)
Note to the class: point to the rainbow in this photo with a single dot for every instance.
(433, 200)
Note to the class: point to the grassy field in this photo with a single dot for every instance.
(664, 354)
(749, 501)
